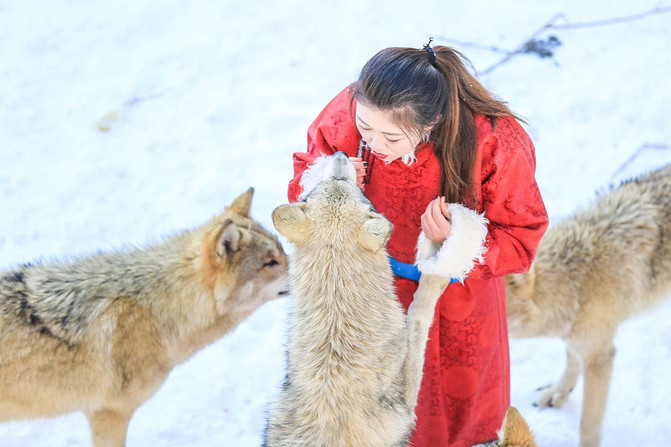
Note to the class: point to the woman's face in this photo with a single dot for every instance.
(387, 141)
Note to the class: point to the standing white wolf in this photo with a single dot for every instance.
(354, 360)
(100, 334)
(592, 271)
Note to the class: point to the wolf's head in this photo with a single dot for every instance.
(242, 263)
(334, 212)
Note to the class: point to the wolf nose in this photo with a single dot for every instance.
(341, 168)
(340, 155)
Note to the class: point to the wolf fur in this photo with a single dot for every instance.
(354, 360)
(100, 334)
(592, 271)
(514, 432)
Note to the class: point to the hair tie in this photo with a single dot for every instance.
(432, 54)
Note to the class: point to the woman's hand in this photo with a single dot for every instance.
(360, 167)
(437, 221)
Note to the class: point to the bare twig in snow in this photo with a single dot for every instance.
(509, 54)
(521, 47)
(479, 46)
(138, 99)
(615, 20)
(111, 118)
(639, 151)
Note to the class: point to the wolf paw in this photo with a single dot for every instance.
(550, 396)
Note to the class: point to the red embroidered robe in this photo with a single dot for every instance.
(466, 384)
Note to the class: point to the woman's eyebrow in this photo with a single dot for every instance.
(391, 134)
(362, 121)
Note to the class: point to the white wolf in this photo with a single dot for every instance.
(354, 360)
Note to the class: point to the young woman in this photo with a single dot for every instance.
(423, 132)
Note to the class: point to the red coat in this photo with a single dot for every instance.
(465, 390)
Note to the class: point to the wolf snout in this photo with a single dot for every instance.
(340, 168)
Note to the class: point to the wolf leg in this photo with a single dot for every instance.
(598, 370)
(109, 427)
(557, 394)
(420, 318)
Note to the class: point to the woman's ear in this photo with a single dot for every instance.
(430, 127)
(291, 221)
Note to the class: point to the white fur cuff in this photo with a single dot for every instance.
(464, 246)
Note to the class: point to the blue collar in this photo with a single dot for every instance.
(408, 271)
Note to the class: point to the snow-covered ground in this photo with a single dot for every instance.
(208, 97)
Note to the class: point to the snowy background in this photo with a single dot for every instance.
(202, 99)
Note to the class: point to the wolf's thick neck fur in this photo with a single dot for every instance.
(353, 303)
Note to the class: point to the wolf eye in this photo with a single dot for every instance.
(271, 263)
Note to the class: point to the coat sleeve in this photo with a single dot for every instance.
(511, 201)
(333, 130)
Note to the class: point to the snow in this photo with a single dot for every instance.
(206, 98)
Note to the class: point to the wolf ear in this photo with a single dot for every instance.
(229, 240)
(515, 431)
(243, 204)
(375, 232)
(290, 220)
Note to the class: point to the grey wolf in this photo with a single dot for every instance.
(354, 359)
(592, 271)
(101, 333)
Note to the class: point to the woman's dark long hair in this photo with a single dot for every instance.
(421, 91)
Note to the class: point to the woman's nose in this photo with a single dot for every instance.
(373, 143)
